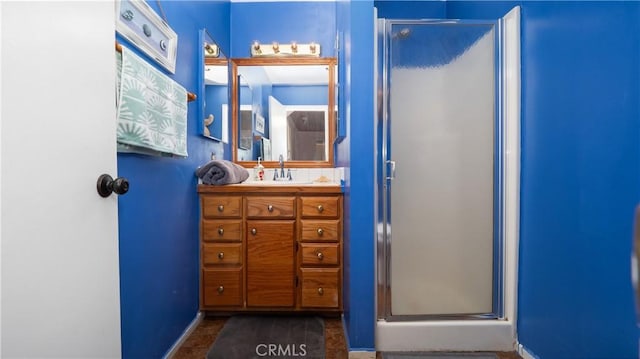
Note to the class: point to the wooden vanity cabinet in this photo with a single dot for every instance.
(320, 257)
(271, 248)
(221, 252)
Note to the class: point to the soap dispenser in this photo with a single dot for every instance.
(258, 171)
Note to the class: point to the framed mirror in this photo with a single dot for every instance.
(281, 106)
(214, 90)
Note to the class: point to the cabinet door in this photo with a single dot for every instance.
(222, 254)
(270, 263)
(318, 230)
(222, 287)
(221, 230)
(271, 207)
(221, 206)
(320, 207)
(320, 287)
(319, 254)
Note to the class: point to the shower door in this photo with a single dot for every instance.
(440, 243)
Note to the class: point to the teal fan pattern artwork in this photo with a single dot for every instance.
(151, 108)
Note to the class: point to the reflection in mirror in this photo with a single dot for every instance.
(289, 100)
(245, 119)
(299, 132)
(214, 90)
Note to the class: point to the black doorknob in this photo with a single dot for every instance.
(106, 185)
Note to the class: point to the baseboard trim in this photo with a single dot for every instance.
(345, 332)
(524, 353)
(187, 332)
(362, 355)
(356, 353)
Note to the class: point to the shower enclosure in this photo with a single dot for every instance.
(448, 135)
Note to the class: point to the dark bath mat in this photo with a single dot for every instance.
(249, 337)
(422, 355)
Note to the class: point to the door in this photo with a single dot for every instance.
(270, 276)
(278, 128)
(60, 281)
(443, 169)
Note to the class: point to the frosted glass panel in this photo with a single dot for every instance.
(441, 133)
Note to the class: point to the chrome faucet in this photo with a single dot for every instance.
(281, 160)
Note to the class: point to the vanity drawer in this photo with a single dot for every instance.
(221, 230)
(320, 230)
(326, 254)
(215, 206)
(222, 287)
(328, 207)
(320, 287)
(271, 207)
(221, 253)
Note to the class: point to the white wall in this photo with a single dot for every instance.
(1, 82)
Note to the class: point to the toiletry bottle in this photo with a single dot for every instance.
(259, 171)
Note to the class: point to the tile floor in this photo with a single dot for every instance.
(199, 342)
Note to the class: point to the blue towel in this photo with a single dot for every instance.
(221, 172)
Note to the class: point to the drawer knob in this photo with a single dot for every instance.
(320, 231)
(320, 256)
(320, 291)
(220, 208)
(220, 289)
(270, 208)
(254, 231)
(221, 255)
(220, 231)
(320, 208)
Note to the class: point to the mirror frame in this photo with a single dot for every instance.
(330, 62)
(203, 61)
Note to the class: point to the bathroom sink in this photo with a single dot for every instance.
(277, 183)
(289, 183)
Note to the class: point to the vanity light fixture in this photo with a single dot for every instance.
(294, 49)
(211, 50)
(255, 49)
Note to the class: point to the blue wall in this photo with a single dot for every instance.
(283, 22)
(580, 174)
(581, 178)
(357, 154)
(419, 9)
(580, 171)
(301, 95)
(159, 216)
